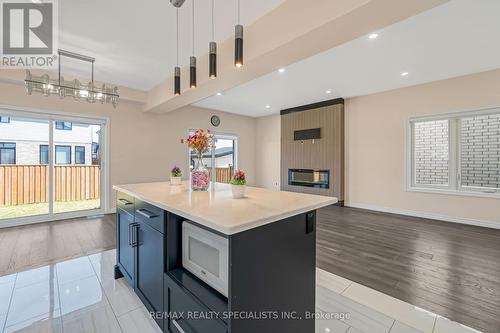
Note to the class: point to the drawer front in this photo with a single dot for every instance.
(153, 216)
(125, 202)
(179, 301)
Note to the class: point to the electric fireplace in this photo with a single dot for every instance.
(309, 178)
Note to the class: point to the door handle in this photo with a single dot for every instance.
(146, 213)
(125, 201)
(179, 328)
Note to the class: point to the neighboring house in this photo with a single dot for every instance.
(25, 142)
(224, 157)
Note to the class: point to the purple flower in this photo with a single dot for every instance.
(176, 171)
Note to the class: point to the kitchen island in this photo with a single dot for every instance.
(270, 262)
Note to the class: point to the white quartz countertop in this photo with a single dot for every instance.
(217, 210)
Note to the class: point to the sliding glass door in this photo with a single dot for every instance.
(24, 175)
(50, 167)
(77, 166)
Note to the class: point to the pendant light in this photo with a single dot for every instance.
(212, 50)
(177, 69)
(238, 42)
(192, 59)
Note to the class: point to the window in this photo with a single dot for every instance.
(221, 159)
(4, 120)
(63, 154)
(64, 125)
(7, 153)
(44, 154)
(431, 152)
(459, 152)
(79, 155)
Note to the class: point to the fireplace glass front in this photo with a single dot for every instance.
(309, 178)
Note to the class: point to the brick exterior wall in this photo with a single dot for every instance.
(480, 151)
(28, 152)
(431, 152)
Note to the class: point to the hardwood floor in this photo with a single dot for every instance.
(34, 245)
(450, 269)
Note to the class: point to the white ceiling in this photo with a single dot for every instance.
(458, 38)
(134, 41)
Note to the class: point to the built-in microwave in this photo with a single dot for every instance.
(205, 254)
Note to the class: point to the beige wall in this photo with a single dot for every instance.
(268, 152)
(376, 146)
(144, 146)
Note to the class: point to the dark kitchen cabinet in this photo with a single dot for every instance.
(180, 302)
(149, 267)
(125, 245)
(141, 250)
(149, 255)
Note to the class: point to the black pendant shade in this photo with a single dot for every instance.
(238, 46)
(192, 72)
(177, 81)
(212, 60)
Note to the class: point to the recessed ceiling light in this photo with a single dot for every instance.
(219, 94)
(281, 70)
(268, 106)
(404, 74)
(328, 92)
(373, 36)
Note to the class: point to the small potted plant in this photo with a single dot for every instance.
(175, 176)
(238, 184)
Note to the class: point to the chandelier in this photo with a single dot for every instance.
(91, 92)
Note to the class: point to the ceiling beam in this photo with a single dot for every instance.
(291, 32)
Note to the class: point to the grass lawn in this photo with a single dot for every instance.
(8, 212)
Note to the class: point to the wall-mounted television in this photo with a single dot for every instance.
(307, 134)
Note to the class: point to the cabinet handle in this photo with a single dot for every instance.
(135, 231)
(176, 324)
(146, 213)
(129, 233)
(125, 201)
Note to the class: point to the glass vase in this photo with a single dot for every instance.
(200, 179)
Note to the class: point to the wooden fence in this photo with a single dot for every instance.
(223, 175)
(28, 184)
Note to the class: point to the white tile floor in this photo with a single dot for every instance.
(81, 295)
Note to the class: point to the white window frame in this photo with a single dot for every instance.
(454, 186)
(51, 116)
(218, 135)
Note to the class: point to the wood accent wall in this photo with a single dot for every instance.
(325, 153)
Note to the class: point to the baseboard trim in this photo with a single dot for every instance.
(445, 218)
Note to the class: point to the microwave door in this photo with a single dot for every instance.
(205, 254)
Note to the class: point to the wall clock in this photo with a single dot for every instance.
(215, 120)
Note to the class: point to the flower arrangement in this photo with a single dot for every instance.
(176, 172)
(238, 178)
(201, 141)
